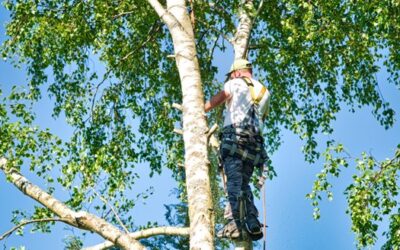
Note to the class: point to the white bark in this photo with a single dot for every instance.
(145, 234)
(240, 46)
(82, 220)
(194, 124)
(242, 36)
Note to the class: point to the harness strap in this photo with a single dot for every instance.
(243, 153)
(256, 99)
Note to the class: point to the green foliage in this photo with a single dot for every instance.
(393, 235)
(104, 65)
(73, 243)
(18, 248)
(21, 140)
(373, 196)
(317, 55)
(334, 158)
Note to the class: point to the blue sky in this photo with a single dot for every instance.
(289, 213)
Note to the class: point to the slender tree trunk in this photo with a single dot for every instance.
(194, 124)
(240, 45)
(242, 36)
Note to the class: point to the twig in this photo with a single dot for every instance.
(178, 131)
(122, 14)
(382, 168)
(261, 46)
(153, 30)
(113, 210)
(212, 130)
(192, 18)
(258, 10)
(216, 30)
(177, 106)
(213, 49)
(9, 232)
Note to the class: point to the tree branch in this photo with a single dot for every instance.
(216, 30)
(168, 19)
(146, 233)
(112, 209)
(123, 14)
(383, 168)
(258, 10)
(81, 219)
(155, 28)
(9, 232)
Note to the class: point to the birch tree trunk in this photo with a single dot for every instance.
(194, 123)
(241, 40)
(240, 46)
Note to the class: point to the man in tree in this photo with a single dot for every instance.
(242, 144)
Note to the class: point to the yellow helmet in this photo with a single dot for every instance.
(240, 64)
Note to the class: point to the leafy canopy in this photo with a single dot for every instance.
(318, 57)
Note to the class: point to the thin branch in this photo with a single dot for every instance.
(177, 106)
(212, 130)
(192, 16)
(123, 14)
(213, 49)
(383, 167)
(216, 30)
(261, 46)
(96, 91)
(9, 232)
(178, 131)
(146, 233)
(258, 10)
(113, 210)
(150, 35)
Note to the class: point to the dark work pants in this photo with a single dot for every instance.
(238, 175)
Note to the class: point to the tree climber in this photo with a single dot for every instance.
(242, 144)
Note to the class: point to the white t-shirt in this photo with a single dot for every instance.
(238, 105)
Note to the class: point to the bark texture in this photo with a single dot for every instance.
(242, 36)
(194, 124)
(82, 220)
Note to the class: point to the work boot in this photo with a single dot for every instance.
(230, 230)
(253, 227)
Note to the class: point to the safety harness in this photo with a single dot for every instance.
(255, 98)
(244, 140)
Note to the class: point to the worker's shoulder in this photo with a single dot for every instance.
(260, 85)
(257, 83)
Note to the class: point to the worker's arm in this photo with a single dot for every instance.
(216, 100)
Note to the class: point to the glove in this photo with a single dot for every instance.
(261, 181)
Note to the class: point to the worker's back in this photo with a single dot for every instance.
(240, 102)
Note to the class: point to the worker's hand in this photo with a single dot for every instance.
(261, 181)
